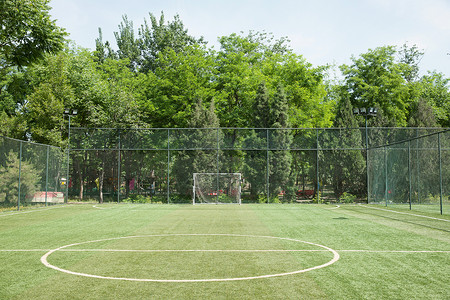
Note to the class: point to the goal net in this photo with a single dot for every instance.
(217, 188)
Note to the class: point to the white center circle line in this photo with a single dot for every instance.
(44, 259)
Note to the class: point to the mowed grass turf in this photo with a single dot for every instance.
(382, 254)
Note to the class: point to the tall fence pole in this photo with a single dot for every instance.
(68, 164)
(168, 166)
(217, 169)
(317, 166)
(441, 190)
(267, 179)
(20, 174)
(409, 175)
(46, 175)
(385, 176)
(118, 171)
(367, 161)
(418, 166)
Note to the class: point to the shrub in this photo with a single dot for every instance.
(347, 198)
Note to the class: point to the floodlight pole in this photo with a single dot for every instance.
(366, 112)
(69, 113)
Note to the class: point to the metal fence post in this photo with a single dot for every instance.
(46, 175)
(20, 171)
(317, 166)
(118, 171)
(267, 158)
(385, 176)
(68, 164)
(168, 166)
(441, 190)
(217, 169)
(409, 175)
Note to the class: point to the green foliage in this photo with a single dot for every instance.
(9, 179)
(26, 33)
(376, 79)
(177, 83)
(435, 90)
(192, 160)
(156, 75)
(346, 167)
(137, 199)
(269, 114)
(347, 198)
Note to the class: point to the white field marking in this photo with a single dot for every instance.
(404, 213)
(23, 250)
(397, 251)
(225, 250)
(332, 261)
(30, 211)
(95, 206)
(337, 206)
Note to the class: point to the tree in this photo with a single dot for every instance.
(281, 179)
(421, 115)
(255, 169)
(243, 62)
(27, 33)
(204, 134)
(435, 91)
(128, 44)
(346, 167)
(9, 179)
(410, 57)
(271, 114)
(177, 82)
(156, 37)
(377, 80)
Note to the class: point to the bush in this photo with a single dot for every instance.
(138, 199)
(347, 198)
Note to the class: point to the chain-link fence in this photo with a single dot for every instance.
(408, 166)
(412, 170)
(277, 165)
(30, 174)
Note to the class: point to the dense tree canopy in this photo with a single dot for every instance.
(162, 77)
(155, 76)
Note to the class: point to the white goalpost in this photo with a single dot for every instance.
(217, 188)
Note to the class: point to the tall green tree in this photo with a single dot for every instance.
(255, 169)
(191, 159)
(376, 79)
(281, 179)
(178, 81)
(157, 36)
(127, 43)
(244, 61)
(27, 33)
(347, 168)
(435, 91)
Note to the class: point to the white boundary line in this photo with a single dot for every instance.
(32, 210)
(95, 206)
(337, 206)
(332, 261)
(220, 250)
(404, 213)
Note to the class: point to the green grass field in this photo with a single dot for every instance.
(224, 252)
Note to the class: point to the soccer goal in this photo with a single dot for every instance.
(217, 188)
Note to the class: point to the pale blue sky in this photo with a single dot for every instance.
(323, 31)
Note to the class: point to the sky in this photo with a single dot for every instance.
(322, 31)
